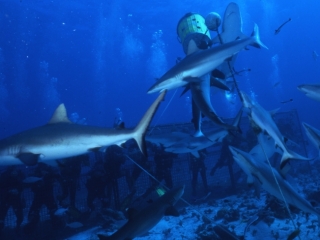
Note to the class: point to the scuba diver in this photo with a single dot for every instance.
(96, 184)
(113, 161)
(197, 166)
(11, 186)
(70, 170)
(163, 165)
(43, 192)
(193, 33)
(226, 158)
(192, 29)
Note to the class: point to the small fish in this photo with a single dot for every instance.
(61, 211)
(279, 28)
(286, 101)
(75, 225)
(31, 180)
(294, 234)
(276, 84)
(315, 55)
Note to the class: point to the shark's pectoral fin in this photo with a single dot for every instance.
(30, 159)
(229, 59)
(123, 145)
(218, 74)
(186, 89)
(171, 211)
(95, 149)
(195, 153)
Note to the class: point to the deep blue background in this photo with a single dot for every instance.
(95, 56)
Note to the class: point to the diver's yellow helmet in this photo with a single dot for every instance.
(193, 26)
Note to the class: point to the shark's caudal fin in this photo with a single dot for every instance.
(236, 121)
(141, 129)
(255, 34)
(287, 155)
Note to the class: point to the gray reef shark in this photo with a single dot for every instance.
(313, 134)
(140, 222)
(267, 149)
(260, 170)
(191, 144)
(201, 97)
(231, 30)
(60, 138)
(311, 90)
(178, 142)
(263, 119)
(166, 139)
(186, 143)
(202, 62)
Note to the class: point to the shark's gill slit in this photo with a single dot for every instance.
(280, 190)
(165, 109)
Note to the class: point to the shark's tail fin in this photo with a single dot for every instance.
(255, 34)
(236, 121)
(141, 129)
(287, 155)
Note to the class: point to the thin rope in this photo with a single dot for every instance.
(163, 111)
(163, 185)
(274, 176)
(231, 70)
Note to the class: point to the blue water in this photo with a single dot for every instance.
(96, 56)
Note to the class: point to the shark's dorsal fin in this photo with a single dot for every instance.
(192, 47)
(195, 153)
(59, 115)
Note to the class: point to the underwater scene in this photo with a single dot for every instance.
(154, 120)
